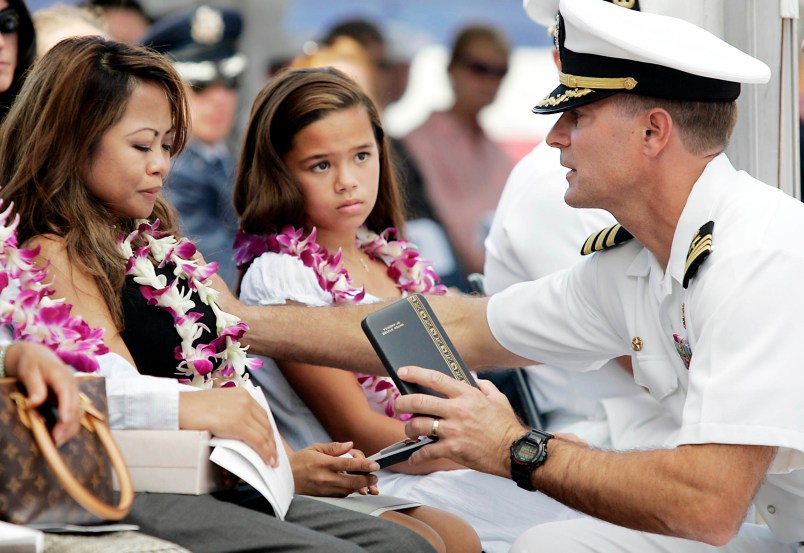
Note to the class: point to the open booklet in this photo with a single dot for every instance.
(275, 484)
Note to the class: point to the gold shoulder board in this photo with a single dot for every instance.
(700, 248)
(606, 238)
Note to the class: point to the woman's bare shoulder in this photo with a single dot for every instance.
(49, 245)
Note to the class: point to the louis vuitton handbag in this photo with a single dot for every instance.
(72, 484)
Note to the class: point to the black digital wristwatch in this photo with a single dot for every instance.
(527, 454)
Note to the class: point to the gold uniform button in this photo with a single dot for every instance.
(636, 343)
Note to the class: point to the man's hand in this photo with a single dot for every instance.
(319, 470)
(39, 369)
(229, 413)
(476, 425)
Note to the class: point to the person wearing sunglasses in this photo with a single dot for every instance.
(464, 170)
(202, 41)
(17, 50)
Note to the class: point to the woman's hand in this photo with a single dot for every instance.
(229, 413)
(39, 369)
(319, 470)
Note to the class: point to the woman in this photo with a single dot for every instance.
(464, 170)
(17, 50)
(84, 153)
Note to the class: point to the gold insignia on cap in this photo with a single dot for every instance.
(636, 343)
(551, 101)
(207, 26)
(606, 83)
(606, 238)
(700, 248)
(624, 3)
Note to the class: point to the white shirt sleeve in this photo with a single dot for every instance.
(274, 279)
(139, 401)
(572, 318)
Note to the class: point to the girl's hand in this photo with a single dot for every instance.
(319, 470)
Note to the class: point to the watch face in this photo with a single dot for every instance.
(526, 451)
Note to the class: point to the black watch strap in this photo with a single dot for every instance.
(528, 453)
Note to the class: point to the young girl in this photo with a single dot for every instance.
(320, 218)
(83, 155)
(319, 209)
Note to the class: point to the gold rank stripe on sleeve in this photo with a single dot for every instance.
(700, 248)
(606, 238)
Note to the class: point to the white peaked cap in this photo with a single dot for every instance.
(605, 50)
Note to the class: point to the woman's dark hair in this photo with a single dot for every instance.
(73, 95)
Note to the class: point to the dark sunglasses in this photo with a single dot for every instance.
(9, 21)
(480, 68)
(232, 83)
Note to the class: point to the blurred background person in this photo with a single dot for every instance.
(346, 54)
(127, 20)
(464, 170)
(59, 21)
(392, 75)
(17, 50)
(202, 42)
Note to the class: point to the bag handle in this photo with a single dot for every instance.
(94, 421)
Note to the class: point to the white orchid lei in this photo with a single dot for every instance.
(406, 268)
(197, 364)
(26, 306)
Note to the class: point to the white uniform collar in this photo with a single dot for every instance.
(697, 211)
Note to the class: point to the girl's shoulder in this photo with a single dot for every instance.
(275, 278)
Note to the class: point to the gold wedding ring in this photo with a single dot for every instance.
(434, 430)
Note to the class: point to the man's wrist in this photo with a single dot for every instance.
(506, 443)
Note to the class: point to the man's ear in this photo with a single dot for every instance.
(657, 130)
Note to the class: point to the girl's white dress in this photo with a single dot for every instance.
(498, 510)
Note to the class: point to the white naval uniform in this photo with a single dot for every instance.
(535, 233)
(741, 317)
(497, 509)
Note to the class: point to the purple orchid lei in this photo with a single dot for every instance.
(196, 361)
(26, 306)
(406, 268)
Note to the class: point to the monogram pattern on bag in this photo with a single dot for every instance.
(29, 491)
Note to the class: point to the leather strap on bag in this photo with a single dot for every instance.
(94, 421)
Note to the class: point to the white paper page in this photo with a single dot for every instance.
(276, 484)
